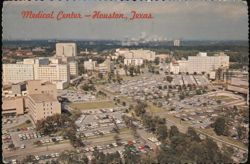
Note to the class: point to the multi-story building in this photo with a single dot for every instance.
(174, 67)
(42, 100)
(73, 69)
(13, 105)
(17, 89)
(133, 61)
(177, 42)
(36, 69)
(66, 49)
(105, 67)
(40, 87)
(203, 63)
(90, 65)
(183, 64)
(15, 73)
(137, 54)
(52, 72)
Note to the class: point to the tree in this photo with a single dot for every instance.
(124, 103)
(219, 125)
(193, 135)
(157, 61)
(27, 121)
(131, 71)
(169, 79)
(100, 75)
(161, 132)
(68, 157)
(173, 131)
(241, 131)
(198, 91)
(130, 155)
(28, 158)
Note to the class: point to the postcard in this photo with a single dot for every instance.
(125, 81)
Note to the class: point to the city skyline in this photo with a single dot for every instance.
(186, 20)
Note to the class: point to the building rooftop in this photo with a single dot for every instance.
(38, 98)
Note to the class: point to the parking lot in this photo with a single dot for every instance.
(201, 110)
(76, 96)
(156, 86)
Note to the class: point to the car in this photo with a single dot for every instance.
(114, 144)
(37, 158)
(57, 154)
(22, 146)
(53, 155)
(13, 161)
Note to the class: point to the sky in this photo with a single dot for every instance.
(188, 20)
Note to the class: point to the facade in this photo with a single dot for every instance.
(66, 49)
(203, 63)
(36, 69)
(183, 64)
(140, 53)
(163, 57)
(90, 65)
(133, 61)
(18, 88)
(42, 99)
(40, 87)
(174, 67)
(13, 106)
(52, 72)
(42, 105)
(177, 42)
(73, 69)
(105, 67)
(15, 73)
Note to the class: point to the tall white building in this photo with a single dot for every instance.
(203, 63)
(174, 67)
(177, 42)
(133, 61)
(15, 73)
(36, 69)
(66, 49)
(52, 72)
(90, 65)
(73, 68)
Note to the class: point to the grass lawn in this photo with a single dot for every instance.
(154, 109)
(223, 98)
(92, 105)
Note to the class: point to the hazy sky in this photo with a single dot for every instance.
(195, 20)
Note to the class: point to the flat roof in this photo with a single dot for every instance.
(38, 98)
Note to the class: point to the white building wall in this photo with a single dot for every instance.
(66, 49)
(15, 73)
(133, 61)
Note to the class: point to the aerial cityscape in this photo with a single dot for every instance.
(136, 99)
